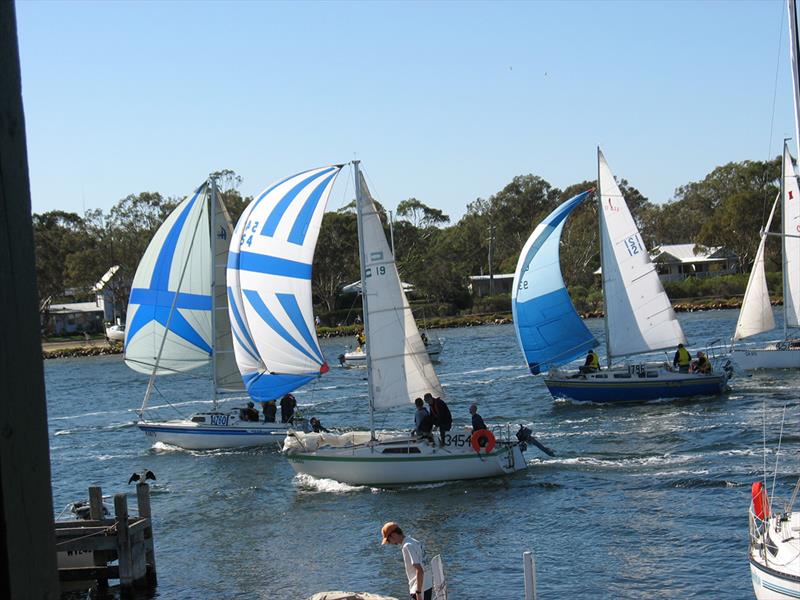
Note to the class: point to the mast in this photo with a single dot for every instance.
(783, 238)
(212, 223)
(362, 259)
(600, 219)
(391, 232)
(794, 51)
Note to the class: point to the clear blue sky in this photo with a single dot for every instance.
(445, 101)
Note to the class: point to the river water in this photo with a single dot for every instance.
(641, 501)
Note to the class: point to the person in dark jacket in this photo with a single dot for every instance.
(269, 409)
(317, 426)
(477, 420)
(288, 404)
(249, 413)
(441, 415)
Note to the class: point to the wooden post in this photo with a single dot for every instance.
(27, 539)
(123, 541)
(99, 557)
(529, 567)
(143, 502)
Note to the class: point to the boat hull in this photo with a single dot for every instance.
(769, 584)
(634, 385)
(767, 358)
(216, 431)
(775, 556)
(359, 359)
(369, 465)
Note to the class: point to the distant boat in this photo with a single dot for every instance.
(755, 315)
(639, 317)
(398, 371)
(115, 333)
(358, 356)
(177, 321)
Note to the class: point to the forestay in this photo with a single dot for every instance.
(791, 243)
(549, 329)
(755, 315)
(400, 369)
(639, 315)
(269, 284)
(169, 309)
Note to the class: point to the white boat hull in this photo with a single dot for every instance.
(215, 431)
(775, 557)
(407, 461)
(766, 358)
(356, 358)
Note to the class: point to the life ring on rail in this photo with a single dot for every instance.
(483, 439)
(760, 501)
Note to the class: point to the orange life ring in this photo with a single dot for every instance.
(483, 439)
(760, 501)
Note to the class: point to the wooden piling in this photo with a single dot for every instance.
(143, 502)
(99, 557)
(123, 540)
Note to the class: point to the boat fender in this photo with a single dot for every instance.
(760, 501)
(483, 439)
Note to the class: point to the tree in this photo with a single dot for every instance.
(336, 259)
(420, 214)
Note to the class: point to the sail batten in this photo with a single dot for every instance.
(549, 329)
(269, 284)
(639, 314)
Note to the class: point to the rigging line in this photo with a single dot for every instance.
(348, 179)
(778, 453)
(772, 118)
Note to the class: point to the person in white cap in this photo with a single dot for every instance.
(419, 586)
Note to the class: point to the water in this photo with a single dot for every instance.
(642, 501)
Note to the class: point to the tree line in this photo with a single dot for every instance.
(726, 208)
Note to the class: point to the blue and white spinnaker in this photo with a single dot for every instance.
(269, 284)
(170, 300)
(549, 330)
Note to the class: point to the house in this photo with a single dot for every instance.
(679, 261)
(491, 285)
(77, 317)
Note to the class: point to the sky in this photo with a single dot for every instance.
(445, 102)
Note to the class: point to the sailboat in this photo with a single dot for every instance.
(755, 315)
(398, 371)
(639, 317)
(269, 285)
(177, 321)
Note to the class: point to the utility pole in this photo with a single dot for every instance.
(491, 269)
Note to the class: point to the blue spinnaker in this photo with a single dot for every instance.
(549, 330)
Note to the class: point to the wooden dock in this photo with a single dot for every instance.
(101, 540)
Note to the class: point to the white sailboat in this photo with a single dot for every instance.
(755, 315)
(638, 314)
(177, 321)
(398, 371)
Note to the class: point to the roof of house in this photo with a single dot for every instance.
(75, 307)
(486, 277)
(685, 253)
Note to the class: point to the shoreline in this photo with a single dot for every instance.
(100, 347)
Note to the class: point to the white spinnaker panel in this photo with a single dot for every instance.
(640, 316)
(400, 367)
(244, 348)
(755, 315)
(271, 254)
(226, 373)
(791, 243)
(171, 294)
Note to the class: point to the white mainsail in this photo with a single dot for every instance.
(169, 310)
(226, 373)
(755, 315)
(791, 243)
(269, 281)
(639, 314)
(399, 367)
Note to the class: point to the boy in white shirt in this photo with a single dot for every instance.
(419, 586)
